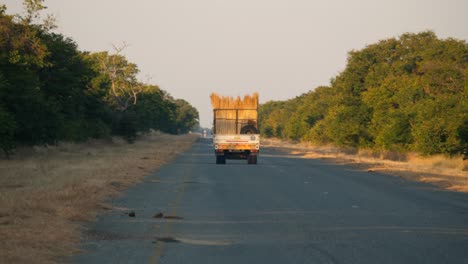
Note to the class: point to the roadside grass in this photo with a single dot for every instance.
(47, 193)
(446, 172)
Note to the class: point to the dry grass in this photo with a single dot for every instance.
(227, 102)
(46, 193)
(450, 173)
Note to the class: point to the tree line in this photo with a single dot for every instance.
(400, 94)
(51, 91)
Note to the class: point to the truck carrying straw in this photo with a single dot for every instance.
(235, 128)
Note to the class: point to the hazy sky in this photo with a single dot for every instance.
(280, 48)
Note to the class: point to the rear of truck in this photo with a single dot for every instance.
(235, 129)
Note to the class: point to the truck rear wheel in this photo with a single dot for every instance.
(249, 129)
(220, 160)
(252, 159)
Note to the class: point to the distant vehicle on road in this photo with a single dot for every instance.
(235, 128)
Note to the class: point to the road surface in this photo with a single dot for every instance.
(283, 210)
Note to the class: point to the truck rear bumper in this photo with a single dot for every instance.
(236, 154)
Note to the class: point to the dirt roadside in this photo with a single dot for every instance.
(46, 194)
(441, 171)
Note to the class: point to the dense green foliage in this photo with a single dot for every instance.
(51, 91)
(401, 94)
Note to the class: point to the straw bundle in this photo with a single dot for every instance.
(229, 118)
(228, 102)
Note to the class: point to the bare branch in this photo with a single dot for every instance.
(118, 49)
(124, 86)
(50, 22)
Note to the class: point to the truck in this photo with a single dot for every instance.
(235, 128)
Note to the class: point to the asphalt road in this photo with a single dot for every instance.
(283, 210)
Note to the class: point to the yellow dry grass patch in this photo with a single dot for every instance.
(446, 172)
(47, 193)
(459, 188)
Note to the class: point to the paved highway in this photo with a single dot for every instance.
(283, 210)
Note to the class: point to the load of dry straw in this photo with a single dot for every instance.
(233, 113)
(228, 102)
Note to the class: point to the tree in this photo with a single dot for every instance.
(8, 125)
(154, 111)
(186, 116)
(51, 91)
(122, 76)
(22, 55)
(406, 93)
(33, 9)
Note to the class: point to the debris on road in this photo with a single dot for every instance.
(158, 215)
(167, 240)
